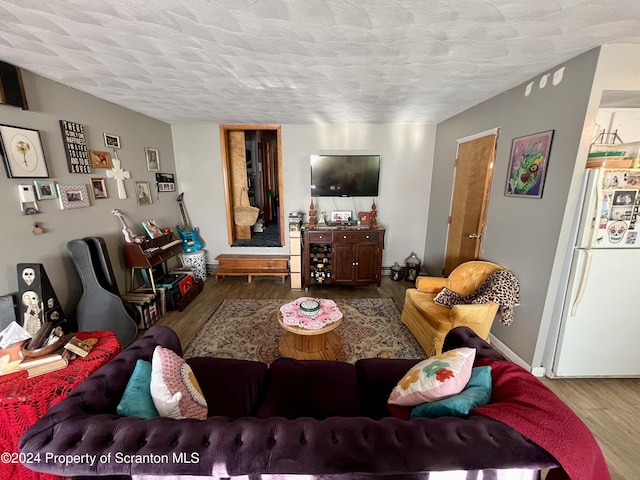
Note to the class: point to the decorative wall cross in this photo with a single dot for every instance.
(119, 174)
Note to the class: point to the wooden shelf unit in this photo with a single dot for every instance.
(153, 252)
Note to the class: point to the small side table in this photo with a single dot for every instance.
(310, 343)
(24, 400)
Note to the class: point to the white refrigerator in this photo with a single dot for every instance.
(599, 330)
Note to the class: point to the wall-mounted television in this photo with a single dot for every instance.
(345, 175)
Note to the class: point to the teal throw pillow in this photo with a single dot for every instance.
(136, 400)
(475, 394)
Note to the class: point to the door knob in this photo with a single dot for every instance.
(474, 235)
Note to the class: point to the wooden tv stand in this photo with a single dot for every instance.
(342, 255)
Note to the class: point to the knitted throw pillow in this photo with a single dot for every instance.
(174, 388)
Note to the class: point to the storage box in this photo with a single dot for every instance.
(185, 284)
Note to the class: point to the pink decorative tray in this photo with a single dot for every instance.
(329, 313)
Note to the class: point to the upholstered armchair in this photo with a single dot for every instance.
(429, 322)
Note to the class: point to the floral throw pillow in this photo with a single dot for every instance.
(174, 388)
(475, 394)
(435, 378)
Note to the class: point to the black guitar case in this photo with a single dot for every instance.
(100, 306)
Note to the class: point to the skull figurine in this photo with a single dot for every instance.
(28, 275)
(32, 301)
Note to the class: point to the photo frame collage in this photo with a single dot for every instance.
(23, 158)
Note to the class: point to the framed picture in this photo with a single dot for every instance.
(153, 159)
(143, 193)
(365, 218)
(165, 182)
(528, 165)
(342, 216)
(99, 188)
(111, 141)
(22, 152)
(73, 196)
(45, 189)
(100, 159)
(151, 228)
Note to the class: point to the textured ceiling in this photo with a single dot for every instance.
(304, 61)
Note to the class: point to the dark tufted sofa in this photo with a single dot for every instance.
(321, 418)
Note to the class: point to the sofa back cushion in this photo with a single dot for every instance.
(467, 277)
(232, 388)
(376, 379)
(310, 388)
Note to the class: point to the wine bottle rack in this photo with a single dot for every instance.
(320, 262)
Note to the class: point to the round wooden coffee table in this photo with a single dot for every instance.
(310, 344)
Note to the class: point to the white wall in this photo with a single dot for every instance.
(405, 179)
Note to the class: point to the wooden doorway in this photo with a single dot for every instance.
(252, 160)
(471, 186)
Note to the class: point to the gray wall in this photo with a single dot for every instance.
(49, 102)
(521, 233)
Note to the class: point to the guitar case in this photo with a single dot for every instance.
(100, 306)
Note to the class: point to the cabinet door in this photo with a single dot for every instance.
(367, 268)
(343, 263)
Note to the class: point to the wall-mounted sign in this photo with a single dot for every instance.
(75, 145)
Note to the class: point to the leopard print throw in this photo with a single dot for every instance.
(501, 287)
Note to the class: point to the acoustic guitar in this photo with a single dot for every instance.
(190, 240)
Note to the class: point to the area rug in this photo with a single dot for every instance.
(249, 330)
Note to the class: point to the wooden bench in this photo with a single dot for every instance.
(230, 265)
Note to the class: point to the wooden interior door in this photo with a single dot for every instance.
(472, 183)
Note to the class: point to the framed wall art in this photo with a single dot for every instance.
(75, 146)
(100, 159)
(143, 193)
(45, 189)
(341, 216)
(99, 188)
(165, 182)
(111, 141)
(528, 165)
(73, 196)
(153, 159)
(22, 152)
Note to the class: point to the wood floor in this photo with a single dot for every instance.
(610, 407)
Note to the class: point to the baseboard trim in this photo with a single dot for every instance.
(514, 357)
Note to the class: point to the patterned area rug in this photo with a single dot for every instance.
(249, 330)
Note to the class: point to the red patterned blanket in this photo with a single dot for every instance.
(521, 401)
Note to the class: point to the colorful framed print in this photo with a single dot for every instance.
(111, 141)
(45, 189)
(153, 159)
(99, 188)
(143, 193)
(22, 152)
(73, 196)
(528, 165)
(100, 159)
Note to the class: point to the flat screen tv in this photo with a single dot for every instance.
(345, 175)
